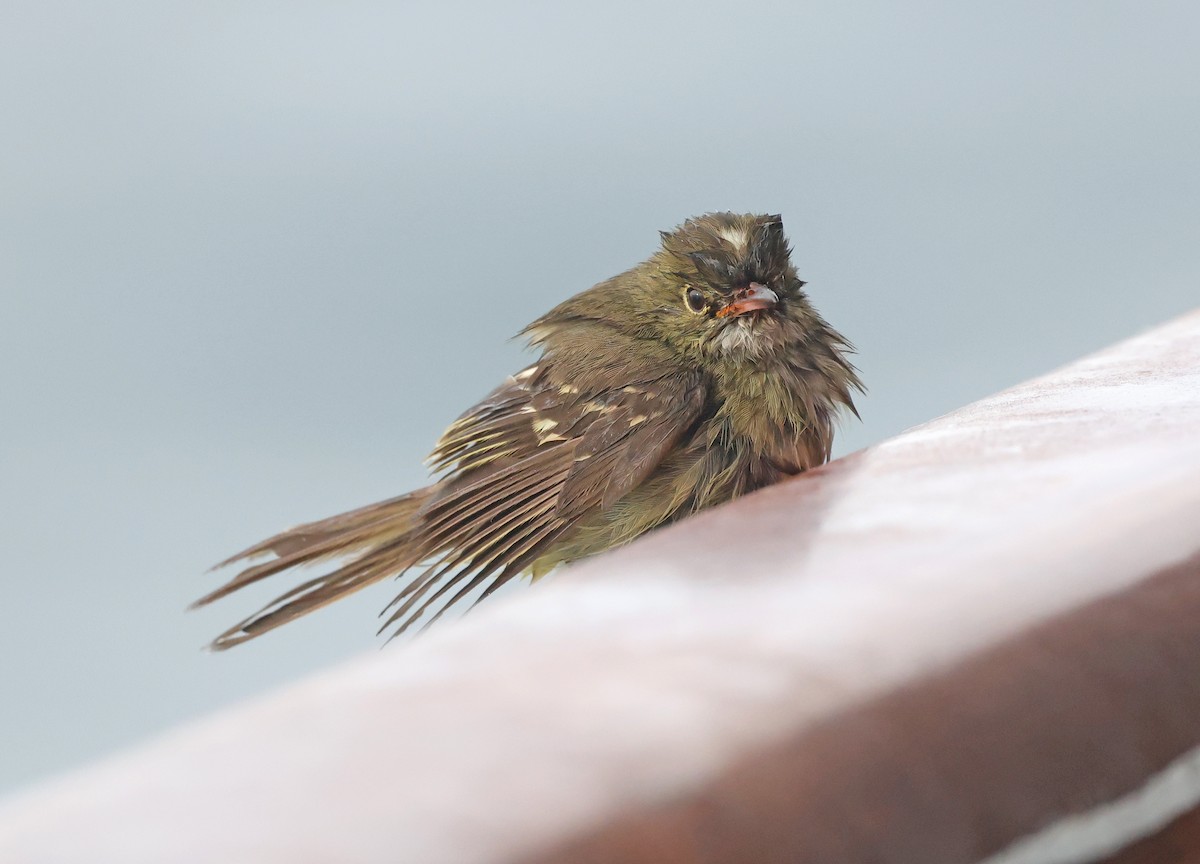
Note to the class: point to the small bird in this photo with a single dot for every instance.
(699, 375)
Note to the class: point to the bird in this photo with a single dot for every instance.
(695, 377)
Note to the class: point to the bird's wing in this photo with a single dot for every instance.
(526, 463)
(629, 432)
(521, 469)
(608, 441)
(612, 438)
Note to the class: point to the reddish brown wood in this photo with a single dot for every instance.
(1075, 712)
(1178, 843)
(927, 652)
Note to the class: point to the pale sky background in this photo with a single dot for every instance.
(254, 256)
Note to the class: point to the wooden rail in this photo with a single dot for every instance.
(978, 641)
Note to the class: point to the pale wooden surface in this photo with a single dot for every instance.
(921, 653)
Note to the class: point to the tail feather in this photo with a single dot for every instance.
(477, 529)
(380, 539)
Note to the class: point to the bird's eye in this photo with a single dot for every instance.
(694, 298)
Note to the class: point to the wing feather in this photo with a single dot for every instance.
(521, 470)
(636, 427)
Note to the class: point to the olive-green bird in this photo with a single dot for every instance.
(699, 375)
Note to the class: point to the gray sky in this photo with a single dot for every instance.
(254, 256)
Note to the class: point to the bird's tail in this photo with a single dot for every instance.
(380, 539)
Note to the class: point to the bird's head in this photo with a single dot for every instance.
(721, 291)
(725, 289)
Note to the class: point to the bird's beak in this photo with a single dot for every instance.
(752, 298)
